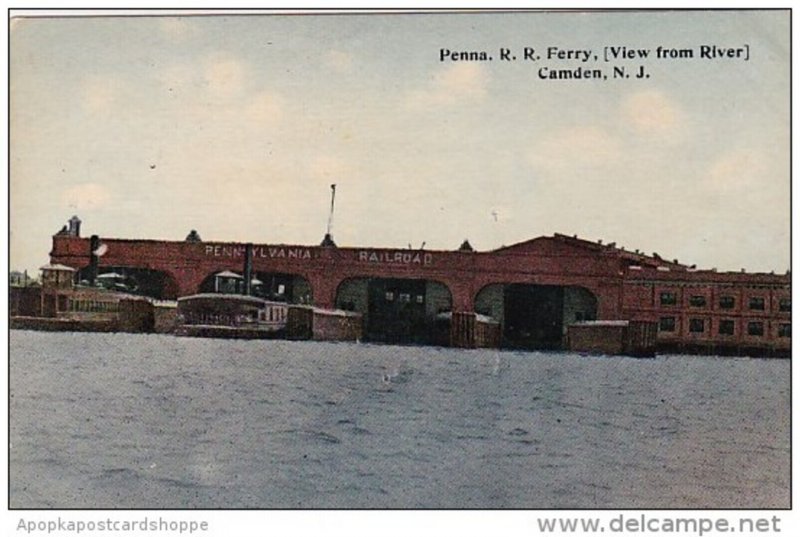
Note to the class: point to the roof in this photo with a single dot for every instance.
(222, 297)
(228, 274)
(110, 275)
(57, 267)
(558, 242)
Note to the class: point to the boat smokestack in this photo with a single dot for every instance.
(248, 268)
(94, 244)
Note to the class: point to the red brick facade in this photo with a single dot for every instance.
(627, 285)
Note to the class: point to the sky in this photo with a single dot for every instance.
(236, 126)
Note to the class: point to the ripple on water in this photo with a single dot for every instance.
(278, 423)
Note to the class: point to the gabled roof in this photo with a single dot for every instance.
(537, 245)
(555, 244)
(559, 243)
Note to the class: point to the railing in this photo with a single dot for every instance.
(272, 316)
(80, 305)
(163, 303)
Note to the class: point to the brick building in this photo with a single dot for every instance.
(534, 289)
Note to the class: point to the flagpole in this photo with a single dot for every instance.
(328, 240)
(330, 216)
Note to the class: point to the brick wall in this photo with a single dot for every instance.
(336, 326)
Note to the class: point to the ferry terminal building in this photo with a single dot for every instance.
(534, 289)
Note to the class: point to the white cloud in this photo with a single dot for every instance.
(86, 196)
(176, 28)
(651, 112)
(736, 169)
(576, 146)
(218, 96)
(461, 82)
(177, 77)
(339, 61)
(100, 94)
(266, 107)
(225, 77)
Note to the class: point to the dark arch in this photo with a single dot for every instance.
(580, 304)
(171, 289)
(273, 286)
(534, 315)
(151, 283)
(489, 301)
(398, 310)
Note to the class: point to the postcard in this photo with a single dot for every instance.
(513, 259)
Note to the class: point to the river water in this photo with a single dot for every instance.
(152, 421)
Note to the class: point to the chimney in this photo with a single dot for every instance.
(74, 226)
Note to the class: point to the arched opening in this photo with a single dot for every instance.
(132, 280)
(579, 305)
(272, 286)
(398, 310)
(535, 316)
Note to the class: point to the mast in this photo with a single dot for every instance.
(328, 240)
(330, 216)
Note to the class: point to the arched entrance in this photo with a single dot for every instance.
(535, 316)
(273, 286)
(282, 287)
(397, 310)
(133, 280)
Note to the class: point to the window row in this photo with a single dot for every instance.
(404, 297)
(724, 328)
(726, 302)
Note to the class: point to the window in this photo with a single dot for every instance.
(697, 301)
(405, 297)
(420, 299)
(727, 302)
(726, 327)
(785, 304)
(697, 325)
(389, 296)
(666, 324)
(756, 302)
(668, 298)
(755, 328)
(785, 330)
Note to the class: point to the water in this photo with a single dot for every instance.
(150, 421)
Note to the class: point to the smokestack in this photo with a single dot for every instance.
(94, 244)
(74, 226)
(248, 268)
